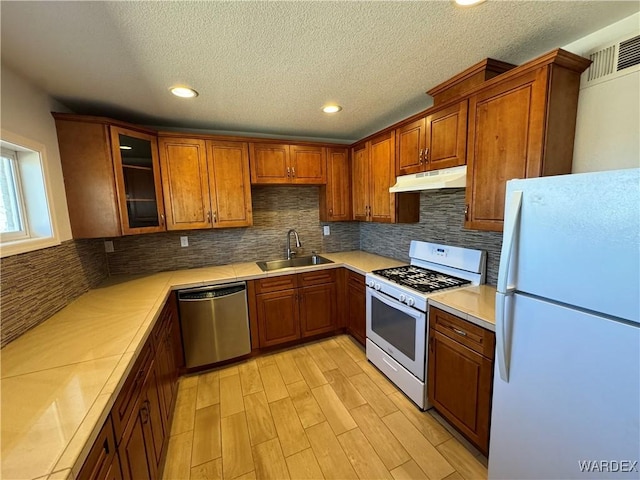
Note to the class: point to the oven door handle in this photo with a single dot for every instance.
(393, 303)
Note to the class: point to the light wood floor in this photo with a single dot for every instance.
(315, 411)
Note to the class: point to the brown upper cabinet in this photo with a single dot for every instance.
(283, 164)
(373, 172)
(521, 125)
(439, 140)
(111, 175)
(335, 196)
(205, 183)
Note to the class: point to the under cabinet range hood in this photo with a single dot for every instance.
(455, 177)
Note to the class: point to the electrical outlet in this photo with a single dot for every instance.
(108, 246)
(184, 241)
(326, 230)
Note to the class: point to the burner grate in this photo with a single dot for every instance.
(421, 279)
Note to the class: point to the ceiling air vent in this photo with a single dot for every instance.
(613, 61)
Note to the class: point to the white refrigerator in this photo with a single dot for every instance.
(566, 391)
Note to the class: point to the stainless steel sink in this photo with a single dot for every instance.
(294, 262)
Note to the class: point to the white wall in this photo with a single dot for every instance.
(608, 124)
(26, 111)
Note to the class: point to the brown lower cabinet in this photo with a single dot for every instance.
(134, 438)
(291, 307)
(356, 307)
(460, 375)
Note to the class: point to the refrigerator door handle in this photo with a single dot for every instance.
(512, 215)
(503, 324)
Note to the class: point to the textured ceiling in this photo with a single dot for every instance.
(269, 66)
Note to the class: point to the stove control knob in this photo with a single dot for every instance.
(371, 283)
(377, 286)
(411, 302)
(403, 297)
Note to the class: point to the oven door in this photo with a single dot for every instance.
(397, 329)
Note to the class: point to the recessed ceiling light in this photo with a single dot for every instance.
(125, 147)
(184, 92)
(468, 3)
(331, 108)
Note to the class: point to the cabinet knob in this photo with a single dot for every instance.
(331, 211)
(466, 212)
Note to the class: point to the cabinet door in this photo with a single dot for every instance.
(446, 137)
(278, 320)
(153, 426)
(138, 183)
(335, 198)
(460, 387)
(89, 180)
(318, 309)
(102, 461)
(506, 129)
(270, 163)
(185, 183)
(308, 165)
(383, 175)
(135, 458)
(356, 307)
(360, 182)
(410, 140)
(230, 185)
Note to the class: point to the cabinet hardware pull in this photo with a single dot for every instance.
(459, 332)
(288, 172)
(215, 216)
(105, 446)
(293, 171)
(162, 219)
(420, 156)
(426, 155)
(209, 216)
(466, 212)
(144, 413)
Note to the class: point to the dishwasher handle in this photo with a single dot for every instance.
(206, 293)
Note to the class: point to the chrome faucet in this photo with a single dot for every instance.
(291, 253)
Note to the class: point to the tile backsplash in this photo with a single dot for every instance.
(275, 211)
(441, 221)
(37, 284)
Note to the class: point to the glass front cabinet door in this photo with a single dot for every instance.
(138, 183)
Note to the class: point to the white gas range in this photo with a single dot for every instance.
(397, 321)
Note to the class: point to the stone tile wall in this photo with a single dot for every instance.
(441, 221)
(275, 211)
(35, 285)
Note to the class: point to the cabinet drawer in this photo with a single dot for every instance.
(476, 338)
(127, 400)
(317, 277)
(275, 284)
(101, 455)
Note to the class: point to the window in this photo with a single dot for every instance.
(26, 221)
(12, 221)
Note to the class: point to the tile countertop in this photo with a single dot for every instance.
(474, 304)
(60, 379)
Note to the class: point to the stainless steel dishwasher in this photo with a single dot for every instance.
(215, 323)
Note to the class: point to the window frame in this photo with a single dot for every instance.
(23, 233)
(38, 210)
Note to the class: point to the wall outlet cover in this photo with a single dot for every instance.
(108, 246)
(184, 241)
(326, 230)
